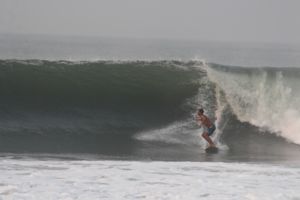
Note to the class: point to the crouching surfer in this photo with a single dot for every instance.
(208, 127)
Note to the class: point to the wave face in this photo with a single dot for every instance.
(153, 89)
(143, 108)
(92, 99)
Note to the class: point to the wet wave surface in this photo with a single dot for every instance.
(146, 109)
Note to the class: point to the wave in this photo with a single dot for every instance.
(74, 106)
(102, 96)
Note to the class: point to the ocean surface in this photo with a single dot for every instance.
(114, 118)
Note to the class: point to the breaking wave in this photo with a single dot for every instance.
(72, 106)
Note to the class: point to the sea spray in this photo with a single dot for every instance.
(264, 97)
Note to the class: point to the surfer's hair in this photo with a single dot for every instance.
(200, 110)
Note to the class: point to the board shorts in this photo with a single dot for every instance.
(209, 130)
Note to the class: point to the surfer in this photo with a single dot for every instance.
(208, 127)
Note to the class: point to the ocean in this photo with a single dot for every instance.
(114, 118)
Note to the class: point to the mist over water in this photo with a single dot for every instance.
(70, 48)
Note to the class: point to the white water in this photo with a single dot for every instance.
(267, 101)
(32, 179)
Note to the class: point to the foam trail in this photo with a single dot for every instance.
(180, 132)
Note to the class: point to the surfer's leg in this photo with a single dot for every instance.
(208, 139)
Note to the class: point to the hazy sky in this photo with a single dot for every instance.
(225, 20)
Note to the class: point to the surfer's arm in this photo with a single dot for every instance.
(199, 121)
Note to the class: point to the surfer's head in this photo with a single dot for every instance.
(200, 111)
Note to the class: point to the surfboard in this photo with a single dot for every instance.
(211, 150)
